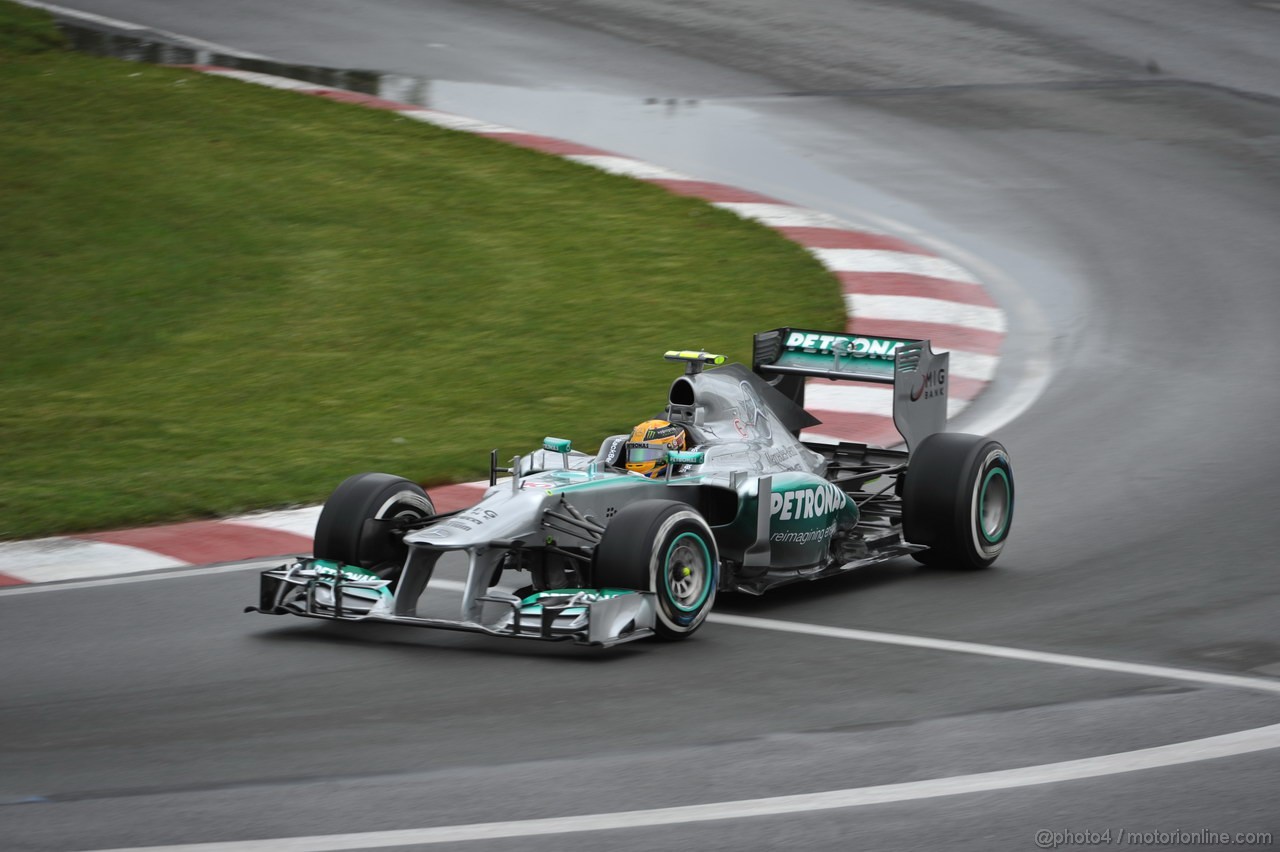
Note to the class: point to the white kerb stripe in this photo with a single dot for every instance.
(902, 262)
(920, 309)
(783, 215)
(297, 521)
(860, 399)
(850, 399)
(627, 166)
(455, 122)
(182, 573)
(974, 365)
(46, 560)
(265, 79)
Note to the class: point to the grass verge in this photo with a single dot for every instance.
(217, 298)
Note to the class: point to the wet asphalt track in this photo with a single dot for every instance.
(1124, 171)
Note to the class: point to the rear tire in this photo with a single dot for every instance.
(663, 547)
(957, 498)
(343, 534)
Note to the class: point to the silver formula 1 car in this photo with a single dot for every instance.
(612, 556)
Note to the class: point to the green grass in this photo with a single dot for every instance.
(24, 30)
(216, 298)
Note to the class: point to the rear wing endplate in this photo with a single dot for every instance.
(785, 357)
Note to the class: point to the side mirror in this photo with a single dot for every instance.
(558, 445)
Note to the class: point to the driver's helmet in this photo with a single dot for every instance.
(646, 450)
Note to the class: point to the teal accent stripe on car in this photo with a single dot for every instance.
(619, 480)
(531, 605)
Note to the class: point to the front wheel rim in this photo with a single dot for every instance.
(687, 572)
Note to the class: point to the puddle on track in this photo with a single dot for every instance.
(730, 140)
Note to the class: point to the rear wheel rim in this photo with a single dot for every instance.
(994, 502)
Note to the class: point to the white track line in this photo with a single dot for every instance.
(1256, 684)
(1209, 748)
(1095, 663)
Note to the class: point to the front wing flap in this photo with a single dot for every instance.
(600, 617)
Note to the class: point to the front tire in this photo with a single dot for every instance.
(663, 547)
(347, 531)
(958, 499)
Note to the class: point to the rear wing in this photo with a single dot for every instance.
(785, 357)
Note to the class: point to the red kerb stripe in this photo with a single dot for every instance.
(861, 428)
(963, 387)
(200, 542)
(6, 580)
(941, 335)
(548, 145)
(358, 98)
(447, 498)
(958, 387)
(708, 191)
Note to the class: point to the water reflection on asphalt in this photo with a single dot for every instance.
(731, 140)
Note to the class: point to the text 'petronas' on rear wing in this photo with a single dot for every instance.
(787, 356)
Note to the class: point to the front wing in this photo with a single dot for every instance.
(314, 589)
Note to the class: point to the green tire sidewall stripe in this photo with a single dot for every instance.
(982, 502)
(708, 583)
